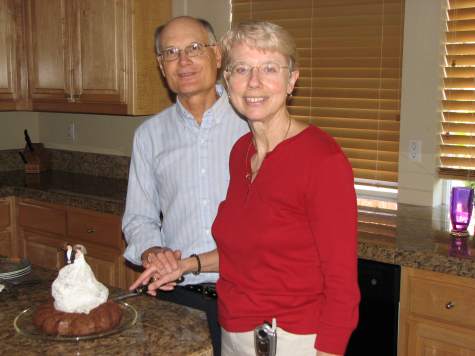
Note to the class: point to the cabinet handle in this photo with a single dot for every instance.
(91, 230)
(449, 305)
(69, 98)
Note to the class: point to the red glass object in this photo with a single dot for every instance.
(461, 204)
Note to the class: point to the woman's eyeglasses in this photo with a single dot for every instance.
(192, 50)
(267, 70)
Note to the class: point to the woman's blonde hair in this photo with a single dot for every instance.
(261, 35)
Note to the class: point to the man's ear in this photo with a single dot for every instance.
(218, 55)
(159, 61)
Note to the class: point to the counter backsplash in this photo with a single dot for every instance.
(74, 162)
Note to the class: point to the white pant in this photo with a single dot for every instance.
(242, 344)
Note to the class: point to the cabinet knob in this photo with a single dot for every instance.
(449, 305)
(91, 230)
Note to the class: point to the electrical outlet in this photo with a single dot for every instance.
(71, 134)
(415, 148)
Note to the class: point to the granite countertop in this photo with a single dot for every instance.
(411, 236)
(162, 328)
(97, 193)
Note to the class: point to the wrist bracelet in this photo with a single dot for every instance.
(198, 271)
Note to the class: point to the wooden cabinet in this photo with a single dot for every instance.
(45, 228)
(13, 76)
(95, 56)
(8, 242)
(437, 314)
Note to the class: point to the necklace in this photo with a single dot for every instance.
(250, 175)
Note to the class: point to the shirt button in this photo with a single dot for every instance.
(203, 171)
(208, 231)
(205, 201)
(203, 141)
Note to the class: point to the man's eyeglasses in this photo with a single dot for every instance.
(192, 50)
(267, 70)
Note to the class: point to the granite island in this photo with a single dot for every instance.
(162, 328)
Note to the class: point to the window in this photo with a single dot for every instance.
(457, 149)
(350, 55)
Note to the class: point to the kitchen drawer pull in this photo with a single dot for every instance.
(449, 305)
(91, 230)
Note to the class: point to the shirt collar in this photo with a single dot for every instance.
(213, 116)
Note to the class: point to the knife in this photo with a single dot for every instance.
(23, 158)
(136, 292)
(142, 290)
(28, 141)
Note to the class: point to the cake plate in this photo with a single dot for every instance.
(23, 324)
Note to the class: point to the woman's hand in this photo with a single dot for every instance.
(163, 268)
(321, 353)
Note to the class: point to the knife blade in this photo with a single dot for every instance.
(142, 290)
(28, 141)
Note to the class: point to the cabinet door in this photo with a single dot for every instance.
(49, 46)
(5, 235)
(11, 46)
(41, 249)
(433, 339)
(99, 51)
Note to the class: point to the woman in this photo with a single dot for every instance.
(286, 233)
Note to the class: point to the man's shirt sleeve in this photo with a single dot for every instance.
(141, 221)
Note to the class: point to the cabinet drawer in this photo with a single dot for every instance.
(97, 228)
(42, 217)
(5, 244)
(442, 300)
(4, 214)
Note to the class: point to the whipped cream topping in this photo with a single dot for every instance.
(76, 289)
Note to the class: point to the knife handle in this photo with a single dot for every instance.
(28, 141)
(23, 158)
(144, 288)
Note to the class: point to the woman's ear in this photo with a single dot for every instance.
(225, 79)
(294, 75)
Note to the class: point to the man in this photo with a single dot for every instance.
(179, 168)
(68, 254)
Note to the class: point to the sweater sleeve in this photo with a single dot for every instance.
(333, 220)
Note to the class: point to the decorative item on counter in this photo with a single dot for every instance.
(459, 247)
(461, 205)
(34, 156)
(80, 305)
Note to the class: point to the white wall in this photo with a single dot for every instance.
(12, 125)
(423, 58)
(217, 12)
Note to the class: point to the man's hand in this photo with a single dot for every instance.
(161, 269)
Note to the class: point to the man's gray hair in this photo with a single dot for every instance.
(206, 25)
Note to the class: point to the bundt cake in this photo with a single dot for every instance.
(100, 319)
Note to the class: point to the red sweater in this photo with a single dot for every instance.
(287, 241)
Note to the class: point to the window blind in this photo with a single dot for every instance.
(350, 55)
(457, 150)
